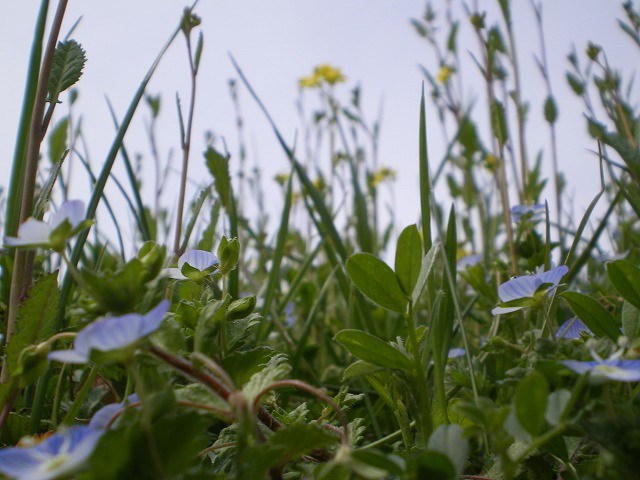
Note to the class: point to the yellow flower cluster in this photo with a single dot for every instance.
(322, 74)
(444, 75)
(383, 174)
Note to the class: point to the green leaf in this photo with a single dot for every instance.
(408, 258)
(550, 110)
(449, 440)
(298, 439)
(426, 266)
(498, 122)
(219, 167)
(531, 402)
(35, 318)
(594, 315)
(359, 368)
(377, 281)
(275, 369)
(58, 140)
(210, 321)
(372, 349)
(66, 67)
(630, 321)
(625, 276)
(556, 403)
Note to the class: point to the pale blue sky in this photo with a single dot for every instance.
(276, 42)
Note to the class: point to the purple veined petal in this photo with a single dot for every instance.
(579, 367)
(174, 273)
(152, 320)
(17, 462)
(553, 275)
(31, 232)
(68, 356)
(456, 352)
(505, 310)
(519, 287)
(103, 416)
(58, 456)
(572, 329)
(198, 259)
(71, 210)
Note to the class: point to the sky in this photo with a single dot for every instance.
(278, 41)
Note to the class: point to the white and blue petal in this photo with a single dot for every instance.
(112, 333)
(519, 287)
(572, 329)
(72, 210)
(174, 273)
(31, 233)
(103, 416)
(554, 275)
(58, 456)
(455, 352)
(504, 310)
(198, 259)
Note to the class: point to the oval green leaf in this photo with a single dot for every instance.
(531, 402)
(408, 258)
(593, 315)
(625, 276)
(377, 281)
(371, 349)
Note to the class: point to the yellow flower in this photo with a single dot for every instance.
(444, 75)
(281, 178)
(329, 74)
(311, 81)
(322, 74)
(382, 175)
(490, 162)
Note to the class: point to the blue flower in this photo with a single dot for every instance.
(58, 456)
(65, 222)
(601, 371)
(518, 212)
(469, 261)
(112, 334)
(102, 417)
(456, 352)
(194, 265)
(572, 329)
(289, 316)
(526, 286)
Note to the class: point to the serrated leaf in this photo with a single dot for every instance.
(376, 281)
(275, 369)
(66, 67)
(35, 317)
(594, 315)
(359, 368)
(371, 349)
(298, 439)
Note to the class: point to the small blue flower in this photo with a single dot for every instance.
(572, 329)
(103, 416)
(65, 222)
(527, 286)
(601, 371)
(518, 212)
(204, 263)
(469, 261)
(289, 317)
(109, 334)
(58, 456)
(456, 352)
